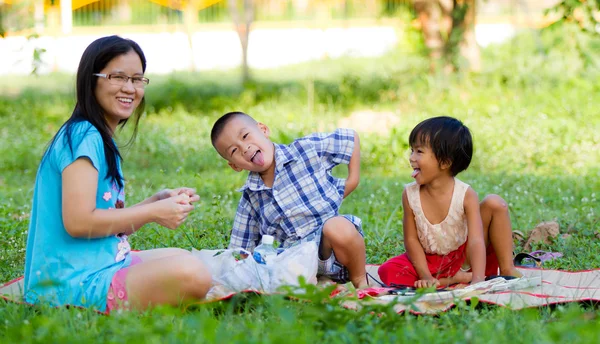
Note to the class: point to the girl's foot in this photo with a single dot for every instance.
(511, 272)
(461, 277)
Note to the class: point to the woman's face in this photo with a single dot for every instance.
(118, 102)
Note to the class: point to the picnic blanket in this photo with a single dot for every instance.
(539, 287)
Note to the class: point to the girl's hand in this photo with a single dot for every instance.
(172, 212)
(427, 283)
(167, 193)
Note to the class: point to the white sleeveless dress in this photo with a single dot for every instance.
(448, 235)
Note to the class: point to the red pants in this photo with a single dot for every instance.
(399, 270)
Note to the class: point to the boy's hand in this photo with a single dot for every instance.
(350, 186)
(427, 283)
(353, 168)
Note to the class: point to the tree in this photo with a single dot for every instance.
(586, 13)
(243, 14)
(448, 28)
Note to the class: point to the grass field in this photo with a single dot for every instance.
(535, 119)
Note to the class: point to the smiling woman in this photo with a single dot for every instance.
(77, 248)
(114, 93)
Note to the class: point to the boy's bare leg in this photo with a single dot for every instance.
(497, 230)
(341, 237)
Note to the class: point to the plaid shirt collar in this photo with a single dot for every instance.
(283, 155)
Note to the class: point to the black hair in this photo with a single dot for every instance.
(220, 124)
(95, 57)
(449, 139)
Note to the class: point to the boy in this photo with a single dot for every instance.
(291, 194)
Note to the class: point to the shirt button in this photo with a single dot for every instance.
(288, 212)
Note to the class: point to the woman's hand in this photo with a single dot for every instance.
(167, 193)
(171, 212)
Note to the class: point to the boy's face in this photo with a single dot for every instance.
(246, 145)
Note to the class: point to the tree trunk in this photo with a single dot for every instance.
(461, 45)
(243, 18)
(449, 33)
(429, 16)
(469, 49)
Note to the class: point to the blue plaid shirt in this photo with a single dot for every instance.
(304, 193)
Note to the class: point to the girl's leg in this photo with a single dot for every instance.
(398, 270)
(166, 277)
(461, 277)
(497, 230)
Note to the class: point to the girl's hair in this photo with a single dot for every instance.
(449, 139)
(95, 57)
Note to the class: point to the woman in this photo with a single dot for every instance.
(77, 248)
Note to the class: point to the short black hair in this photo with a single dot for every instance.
(220, 124)
(449, 139)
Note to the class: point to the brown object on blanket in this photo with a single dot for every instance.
(542, 233)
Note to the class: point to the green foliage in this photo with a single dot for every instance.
(586, 14)
(535, 121)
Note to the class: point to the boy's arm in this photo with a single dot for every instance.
(340, 147)
(413, 246)
(245, 232)
(476, 243)
(353, 167)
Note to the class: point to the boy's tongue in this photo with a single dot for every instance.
(415, 172)
(258, 158)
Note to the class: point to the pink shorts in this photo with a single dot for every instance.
(117, 292)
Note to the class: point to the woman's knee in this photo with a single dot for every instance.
(159, 253)
(194, 276)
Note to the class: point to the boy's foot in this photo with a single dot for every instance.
(324, 281)
(361, 283)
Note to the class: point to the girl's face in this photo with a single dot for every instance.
(118, 102)
(425, 165)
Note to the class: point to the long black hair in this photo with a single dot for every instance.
(95, 57)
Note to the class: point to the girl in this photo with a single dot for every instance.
(446, 230)
(77, 249)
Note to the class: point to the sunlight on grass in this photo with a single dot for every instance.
(533, 113)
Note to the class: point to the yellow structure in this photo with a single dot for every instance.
(174, 4)
(181, 4)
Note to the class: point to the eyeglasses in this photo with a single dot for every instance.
(119, 79)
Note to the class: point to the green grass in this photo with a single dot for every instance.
(534, 115)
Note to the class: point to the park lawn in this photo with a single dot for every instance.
(534, 116)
